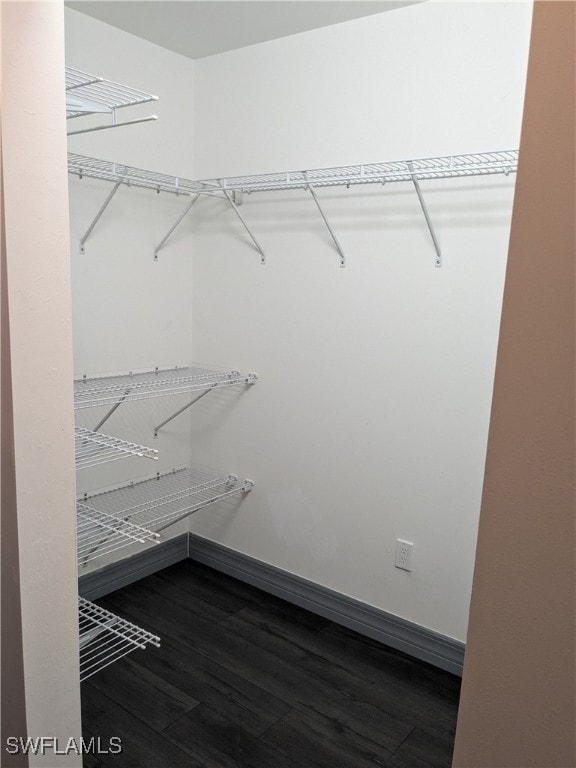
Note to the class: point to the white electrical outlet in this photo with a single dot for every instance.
(404, 554)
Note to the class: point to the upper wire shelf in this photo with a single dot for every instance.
(111, 390)
(378, 173)
(451, 166)
(87, 94)
(93, 448)
(105, 638)
(232, 188)
(162, 500)
(91, 167)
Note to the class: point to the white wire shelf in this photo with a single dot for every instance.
(93, 448)
(88, 94)
(99, 534)
(105, 638)
(377, 173)
(232, 188)
(373, 173)
(140, 385)
(90, 167)
(162, 500)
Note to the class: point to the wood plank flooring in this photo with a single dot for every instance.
(245, 680)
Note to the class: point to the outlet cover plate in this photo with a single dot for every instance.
(404, 554)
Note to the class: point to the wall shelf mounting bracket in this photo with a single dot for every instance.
(98, 215)
(178, 221)
(244, 224)
(330, 230)
(180, 410)
(109, 413)
(438, 260)
(249, 380)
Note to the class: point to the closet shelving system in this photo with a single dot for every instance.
(232, 189)
(93, 448)
(105, 638)
(91, 95)
(136, 512)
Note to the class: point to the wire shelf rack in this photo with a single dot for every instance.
(162, 500)
(99, 533)
(139, 385)
(91, 167)
(105, 638)
(451, 166)
(378, 173)
(87, 94)
(93, 448)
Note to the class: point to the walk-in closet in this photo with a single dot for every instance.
(289, 225)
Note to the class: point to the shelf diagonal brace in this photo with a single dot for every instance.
(109, 413)
(325, 219)
(233, 489)
(96, 219)
(180, 410)
(244, 224)
(177, 223)
(438, 261)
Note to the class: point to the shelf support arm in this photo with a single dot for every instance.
(233, 489)
(178, 221)
(107, 415)
(98, 215)
(245, 225)
(438, 261)
(332, 233)
(180, 410)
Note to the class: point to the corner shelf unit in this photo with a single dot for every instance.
(93, 448)
(105, 638)
(231, 189)
(90, 95)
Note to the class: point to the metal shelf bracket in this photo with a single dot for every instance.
(178, 221)
(438, 260)
(98, 215)
(244, 224)
(180, 410)
(250, 379)
(330, 230)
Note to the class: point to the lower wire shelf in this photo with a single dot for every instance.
(105, 638)
(136, 512)
(94, 448)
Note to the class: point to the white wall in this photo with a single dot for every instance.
(129, 311)
(370, 418)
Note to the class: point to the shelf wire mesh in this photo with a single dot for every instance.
(159, 501)
(93, 448)
(91, 167)
(99, 534)
(87, 94)
(105, 638)
(110, 390)
(452, 166)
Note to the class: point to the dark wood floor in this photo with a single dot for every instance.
(245, 680)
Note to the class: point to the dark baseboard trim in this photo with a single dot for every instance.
(120, 574)
(417, 641)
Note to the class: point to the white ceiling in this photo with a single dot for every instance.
(197, 28)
